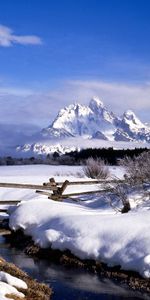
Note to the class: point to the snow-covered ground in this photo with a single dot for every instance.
(38, 174)
(90, 228)
(9, 285)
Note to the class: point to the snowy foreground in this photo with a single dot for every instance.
(9, 286)
(90, 228)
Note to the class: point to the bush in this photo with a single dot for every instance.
(137, 169)
(121, 191)
(96, 168)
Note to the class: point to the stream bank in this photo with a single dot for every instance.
(34, 290)
(66, 259)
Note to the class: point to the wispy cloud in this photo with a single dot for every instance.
(20, 105)
(13, 91)
(116, 94)
(8, 38)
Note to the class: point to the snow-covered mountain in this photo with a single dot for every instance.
(86, 121)
(96, 121)
(134, 128)
(92, 122)
(44, 149)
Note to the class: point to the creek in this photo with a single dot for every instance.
(68, 283)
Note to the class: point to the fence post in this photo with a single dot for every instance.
(57, 195)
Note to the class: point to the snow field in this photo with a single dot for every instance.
(90, 228)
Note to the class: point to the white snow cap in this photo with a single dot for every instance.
(129, 114)
(96, 102)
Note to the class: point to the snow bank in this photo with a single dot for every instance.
(6, 289)
(9, 285)
(117, 239)
(18, 283)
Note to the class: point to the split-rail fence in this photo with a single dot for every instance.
(55, 190)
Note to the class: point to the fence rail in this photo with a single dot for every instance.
(84, 182)
(27, 186)
(55, 190)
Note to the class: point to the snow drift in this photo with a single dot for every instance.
(115, 239)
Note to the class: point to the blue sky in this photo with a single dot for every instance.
(53, 53)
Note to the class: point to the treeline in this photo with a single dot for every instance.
(11, 161)
(109, 155)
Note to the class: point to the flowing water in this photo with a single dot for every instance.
(68, 284)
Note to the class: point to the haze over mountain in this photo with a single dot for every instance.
(92, 122)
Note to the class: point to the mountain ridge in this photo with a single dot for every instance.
(96, 120)
(88, 122)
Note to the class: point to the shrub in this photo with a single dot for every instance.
(121, 191)
(138, 168)
(96, 168)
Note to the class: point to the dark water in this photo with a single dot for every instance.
(68, 284)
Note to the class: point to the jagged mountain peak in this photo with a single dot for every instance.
(132, 128)
(72, 108)
(69, 113)
(129, 114)
(96, 103)
(81, 120)
(99, 109)
(96, 121)
(89, 122)
(130, 118)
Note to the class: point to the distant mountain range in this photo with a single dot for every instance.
(94, 121)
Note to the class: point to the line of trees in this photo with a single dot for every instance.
(109, 155)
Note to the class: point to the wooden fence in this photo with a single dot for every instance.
(55, 190)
